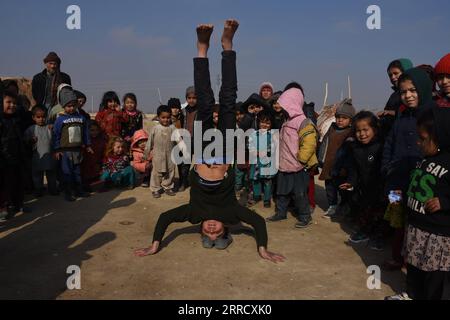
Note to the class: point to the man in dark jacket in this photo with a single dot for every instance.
(45, 84)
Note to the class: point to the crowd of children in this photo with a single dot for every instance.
(385, 173)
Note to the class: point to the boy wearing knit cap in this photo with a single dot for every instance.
(442, 72)
(338, 133)
(70, 136)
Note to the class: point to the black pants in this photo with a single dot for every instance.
(423, 285)
(227, 95)
(12, 186)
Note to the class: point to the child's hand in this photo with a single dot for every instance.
(267, 255)
(34, 140)
(57, 155)
(433, 205)
(345, 186)
(90, 150)
(147, 251)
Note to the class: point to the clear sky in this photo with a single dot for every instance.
(140, 46)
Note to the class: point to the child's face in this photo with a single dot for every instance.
(141, 144)
(111, 104)
(428, 147)
(443, 81)
(94, 131)
(39, 118)
(265, 125)
(215, 117)
(394, 74)
(409, 94)
(277, 107)
(118, 148)
(9, 105)
(71, 107)
(364, 132)
(164, 119)
(191, 99)
(343, 122)
(239, 116)
(254, 109)
(81, 102)
(266, 93)
(130, 105)
(175, 111)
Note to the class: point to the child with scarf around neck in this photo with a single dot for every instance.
(133, 118)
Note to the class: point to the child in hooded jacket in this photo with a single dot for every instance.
(401, 152)
(142, 165)
(298, 143)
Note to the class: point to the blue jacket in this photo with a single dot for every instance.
(70, 132)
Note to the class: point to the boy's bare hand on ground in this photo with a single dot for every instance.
(433, 205)
(229, 30)
(274, 257)
(147, 251)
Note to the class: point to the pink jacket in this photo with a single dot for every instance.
(291, 101)
(138, 163)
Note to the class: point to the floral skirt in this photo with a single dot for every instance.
(427, 251)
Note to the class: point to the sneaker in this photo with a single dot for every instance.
(330, 212)
(358, 237)
(267, 204)
(400, 296)
(181, 189)
(303, 224)
(376, 244)
(170, 192)
(207, 243)
(145, 184)
(156, 194)
(223, 242)
(276, 217)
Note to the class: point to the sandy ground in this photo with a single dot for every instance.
(100, 233)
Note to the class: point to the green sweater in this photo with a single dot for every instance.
(213, 203)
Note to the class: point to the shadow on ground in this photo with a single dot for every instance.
(394, 279)
(34, 271)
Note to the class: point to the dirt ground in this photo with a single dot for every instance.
(99, 235)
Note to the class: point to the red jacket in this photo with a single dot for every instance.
(111, 122)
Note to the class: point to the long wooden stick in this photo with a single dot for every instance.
(349, 88)
(326, 94)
